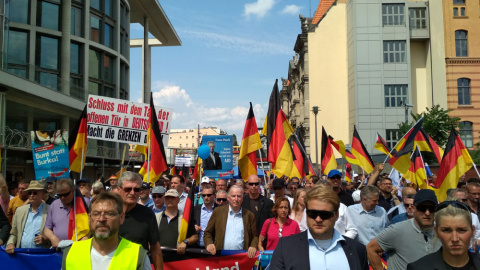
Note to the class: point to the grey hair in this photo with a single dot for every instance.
(453, 191)
(65, 181)
(221, 191)
(97, 186)
(235, 187)
(325, 183)
(130, 177)
(368, 191)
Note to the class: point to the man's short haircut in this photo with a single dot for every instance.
(65, 181)
(314, 178)
(472, 184)
(221, 191)
(410, 196)
(473, 180)
(222, 180)
(291, 184)
(97, 186)
(295, 178)
(107, 196)
(385, 179)
(461, 184)
(324, 182)
(369, 191)
(182, 179)
(450, 195)
(23, 182)
(130, 177)
(209, 142)
(324, 194)
(384, 175)
(235, 187)
(208, 186)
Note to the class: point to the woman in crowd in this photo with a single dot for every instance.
(298, 210)
(453, 226)
(279, 226)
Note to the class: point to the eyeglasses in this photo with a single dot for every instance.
(207, 195)
(157, 196)
(408, 205)
(107, 215)
(323, 214)
(32, 192)
(455, 204)
(423, 208)
(254, 184)
(280, 232)
(221, 199)
(64, 194)
(292, 188)
(129, 189)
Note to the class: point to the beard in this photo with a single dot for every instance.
(105, 234)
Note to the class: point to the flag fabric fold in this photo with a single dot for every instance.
(187, 216)
(347, 155)
(426, 143)
(77, 144)
(360, 152)
(247, 159)
(348, 172)
(197, 171)
(79, 216)
(302, 162)
(400, 159)
(328, 160)
(416, 173)
(381, 145)
(455, 162)
(277, 129)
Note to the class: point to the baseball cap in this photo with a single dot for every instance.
(425, 195)
(145, 185)
(356, 196)
(171, 193)
(50, 179)
(278, 183)
(83, 180)
(114, 177)
(333, 173)
(158, 190)
(355, 175)
(205, 179)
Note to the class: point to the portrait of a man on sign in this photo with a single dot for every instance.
(219, 159)
(213, 162)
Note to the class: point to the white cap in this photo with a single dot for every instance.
(356, 196)
(355, 175)
(205, 179)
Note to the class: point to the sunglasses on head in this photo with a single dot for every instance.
(254, 184)
(424, 207)
(64, 194)
(206, 195)
(129, 189)
(32, 192)
(323, 214)
(455, 204)
(157, 196)
(221, 199)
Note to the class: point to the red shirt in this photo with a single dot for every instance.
(290, 227)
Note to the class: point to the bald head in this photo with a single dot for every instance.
(253, 183)
(408, 190)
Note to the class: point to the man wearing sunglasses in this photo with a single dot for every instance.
(321, 246)
(158, 196)
(203, 212)
(221, 198)
(260, 206)
(140, 225)
(409, 211)
(335, 178)
(407, 241)
(29, 221)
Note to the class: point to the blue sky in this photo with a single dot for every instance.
(232, 52)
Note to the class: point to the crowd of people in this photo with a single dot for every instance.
(320, 222)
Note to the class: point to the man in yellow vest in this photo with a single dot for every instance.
(105, 250)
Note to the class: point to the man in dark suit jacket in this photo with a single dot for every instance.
(223, 228)
(302, 251)
(213, 162)
(260, 206)
(206, 207)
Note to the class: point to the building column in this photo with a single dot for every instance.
(65, 48)
(3, 120)
(146, 65)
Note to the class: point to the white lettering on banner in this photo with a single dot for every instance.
(46, 161)
(123, 121)
(235, 267)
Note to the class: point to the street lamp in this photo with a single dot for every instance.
(406, 109)
(315, 112)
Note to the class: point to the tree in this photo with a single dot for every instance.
(436, 122)
(234, 139)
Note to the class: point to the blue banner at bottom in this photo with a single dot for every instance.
(35, 258)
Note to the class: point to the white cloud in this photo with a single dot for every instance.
(291, 9)
(259, 8)
(239, 44)
(189, 114)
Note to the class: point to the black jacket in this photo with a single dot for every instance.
(292, 253)
(197, 213)
(265, 206)
(435, 261)
(208, 162)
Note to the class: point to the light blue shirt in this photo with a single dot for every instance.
(205, 215)
(234, 237)
(32, 227)
(183, 200)
(155, 210)
(369, 224)
(150, 203)
(330, 256)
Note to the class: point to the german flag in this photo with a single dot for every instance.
(172, 171)
(187, 217)
(328, 159)
(381, 145)
(455, 162)
(402, 151)
(155, 149)
(277, 129)
(416, 173)
(197, 171)
(360, 152)
(302, 163)
(347, 155)
(426, 143)
(348, 172)
(78, 218)
(247, 159)
(77, 144)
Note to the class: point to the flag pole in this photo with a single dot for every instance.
(148, 160)
(261, 158)
(123, 160)
(425, 171)
(475, 167)
(75, 195)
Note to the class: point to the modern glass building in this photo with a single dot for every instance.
(53, 55)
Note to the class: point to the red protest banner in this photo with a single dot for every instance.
(232, 262)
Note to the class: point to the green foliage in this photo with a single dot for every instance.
(234, 140)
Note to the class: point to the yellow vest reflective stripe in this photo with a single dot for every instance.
(125, 256)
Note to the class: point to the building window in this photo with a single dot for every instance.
(123, 81)
(76, 24)
(461, 43)
(94, 28)
(418, 18)
(17, 57)
(394, 51)
(395, 95)
(46, 71)
(48, 14)
(101, 22)
(18, 11)
(393, 14)
(466, 133)
(392, 137)
(463, 85)
(108, 37)
(101, 75)
(76, 71)
(459, 1)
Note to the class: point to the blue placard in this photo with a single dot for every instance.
(219, 163)
(50, 153)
